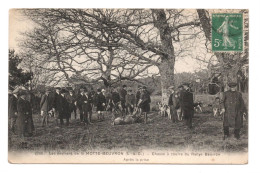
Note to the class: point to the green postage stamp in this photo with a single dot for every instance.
(227, 32)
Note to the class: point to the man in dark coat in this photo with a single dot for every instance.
(12, 109)
(101, 103)
(186, 102)
(233, 108)
(79, 102)
(93, 94)
(180, 91)
(138, 94)
(65, 111)
(123, 94)
(25, 125)
(174, 104)
(57, 105)
(45, 106)
(130, 101)
(144, 103)
(115, 96)
(87, 107)
(72, 102)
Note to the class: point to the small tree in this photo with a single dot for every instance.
(17, 77)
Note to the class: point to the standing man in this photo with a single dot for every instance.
(72, 102)
(138, 94)
(180, 91)
(186, 102)
(87, 107)
(45, 106)
(130, 101)
(12, 109)
(57, 105)
(65, 112)
(144, 103)
(174, 104)
(80, 101)
(234, 109)
(24, 120)
(101, 103)
(92, 94)
(122, 94)
(115, 96)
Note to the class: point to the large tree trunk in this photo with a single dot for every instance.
(166, 68)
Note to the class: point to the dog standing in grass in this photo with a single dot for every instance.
(162, 109)
(217, 108)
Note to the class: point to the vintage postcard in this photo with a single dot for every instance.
(161, 86)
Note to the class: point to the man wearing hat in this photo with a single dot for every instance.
(12, 109)
(24, 119)
(87, 107)
(122, 94)
(65, 112)
(80, 101)
(144, 103)
(138, 94)
(72, 102)
(115, 96)
(57, 105)
(130, 101)
(101, 103)
(186, 102)
(234, 109)
(45, 106)
(173, 102)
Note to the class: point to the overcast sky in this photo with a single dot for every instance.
(19, 24)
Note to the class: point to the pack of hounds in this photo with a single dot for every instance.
(164, 110)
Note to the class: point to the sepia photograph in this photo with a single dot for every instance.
(127, 85)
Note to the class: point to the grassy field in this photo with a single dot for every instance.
(158, 133)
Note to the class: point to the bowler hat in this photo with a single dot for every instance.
(58, 88)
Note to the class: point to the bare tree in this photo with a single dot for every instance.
(116, 43)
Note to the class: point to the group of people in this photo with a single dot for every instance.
(231, 105)
(63, 103)
(181, 98)
(20, 113)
